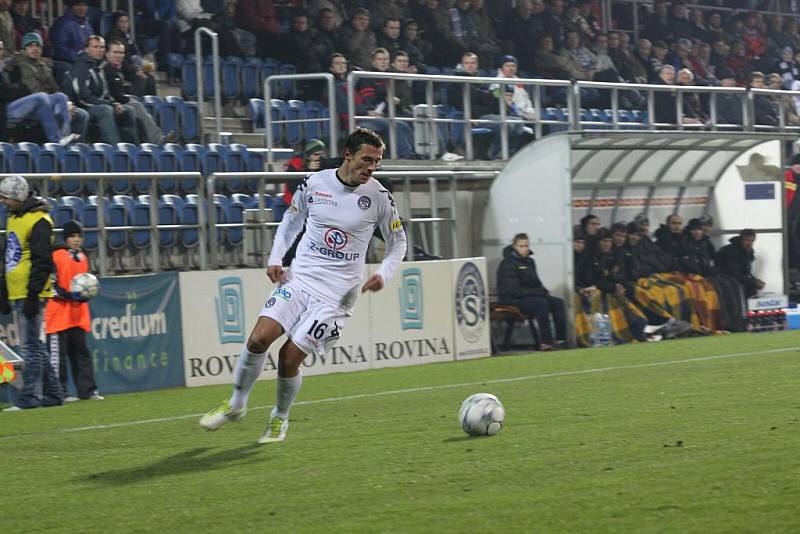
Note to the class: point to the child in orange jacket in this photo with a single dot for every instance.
(66, 317)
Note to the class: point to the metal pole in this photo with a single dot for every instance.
(504, 152)
(430, 124)
(333, 129)
(102, 252)
(198, 50)
(132, 17)
(201, 222)
(155, 232)
(392, 125)
(217, 84)
(651, 109)
(434, 213)
(747, 112)
(467, 125)
(212, 221)
(268, 122)
(679, 109)
(409, 224)
(453, 216)
(351, 101)
(537, 109)
(713, 111)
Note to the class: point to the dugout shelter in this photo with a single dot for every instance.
(549, 185)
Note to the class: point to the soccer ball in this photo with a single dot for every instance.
(481, 414)
(85, 284)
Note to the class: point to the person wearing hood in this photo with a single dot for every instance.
(69, 33)
(91, 92)
(519, 285)
(25, 286)
(670, 238)
(736, 260)
(66, 317)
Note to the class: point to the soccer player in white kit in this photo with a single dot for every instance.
(341, 209)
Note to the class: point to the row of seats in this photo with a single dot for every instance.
(125, 157)
(126, 210)
(240, 78)
(174, 114)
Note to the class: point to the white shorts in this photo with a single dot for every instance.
(311, 324)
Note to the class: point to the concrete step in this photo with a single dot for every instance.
(229, 124)
(253, 140)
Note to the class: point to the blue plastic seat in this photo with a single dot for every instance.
(89, 219)
(295, 111)
(314, 110)
(140, 216)
(188, 78)
(47, 161)
(169, 115)
(24, 157)
(154, 105)
(75, 201)
(255, 109)
(277, 109)
(230, 76)
(62, 214)
(234, 213)
(117, 216)
(248, 76)
(288, 87)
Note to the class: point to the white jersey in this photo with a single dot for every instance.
(340, 221)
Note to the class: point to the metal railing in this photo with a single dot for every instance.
(568, 94)
(406, 178)
(199, 68)
(44, 182)
(333, 118)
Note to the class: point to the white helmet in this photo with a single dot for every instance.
(14, 187)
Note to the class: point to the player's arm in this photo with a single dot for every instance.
(395, 237)
(290, 227)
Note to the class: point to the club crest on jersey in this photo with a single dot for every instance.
(335, 239)
(364, 202)
(270, 302)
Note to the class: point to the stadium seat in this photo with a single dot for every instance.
(6, 154)
(230, 77)
(169, 116)
(174, 64)
(242, 198)
(288, 87)
(76, 202)
(89, 219)
(316, 129)
(140, 216)
(62, 214)
(190, 121)
(48, 160)
(117, 240)
(255, 109)
(188, 79)
(154, 105)
(249, 79)
(277, 108)
(294, 111)
(24, 157)
(234, 213)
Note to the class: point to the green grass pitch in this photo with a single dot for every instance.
(696, 435)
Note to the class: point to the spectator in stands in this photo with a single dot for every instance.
(303, 48)
(145, 127)
(793, 33)
(590, 224)
(25, 285)
(519, 285)
(552, 22)
(692, 110)
(389, 9)
(327, 32)
(91, 94)
(519, 108)
(372, 95)
(70, 31)
(628, 65)
(7, 33)
(678, 57)
(418, 49)
(158, 22)
(738, 63)
(665, 108)
(729, 106)
(754, 40)
(525, 25)
(550, 64)
(137, 72)
(699, 29)
(791, 182)
(714, 27)
(777, 39)
(669, 237)
(338, 68)
(358, 41)
(193, 14)
(658, 58)
(402, 88)
(66, 317)
(434, 21)
(736, 260)
(680, 25)
(583, 62)
(309, 160)
(700, 59)
(316, 7)
(389, 35)
(785, 103)
(468, 30)
(764, 107)
(44, 100)
(260, 18)
(482, 102)
(787, 67)
(25, 23)
(658, 27)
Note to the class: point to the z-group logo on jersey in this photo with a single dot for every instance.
(470, 302)
(364, 202)
(335, 241)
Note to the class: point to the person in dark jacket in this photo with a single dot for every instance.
(736, 260)
(136, 71)
(669, 237)
(695, 258)
(25, 285)
(145, 127)
(91, 92)
(69, 33)
(519, 285)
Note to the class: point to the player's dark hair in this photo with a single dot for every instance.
(619, 227)
(520, 237)
(363, 136)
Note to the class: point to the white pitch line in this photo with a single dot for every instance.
(438, 387)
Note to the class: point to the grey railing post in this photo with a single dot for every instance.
(268, 121)
(434, 214)
(198, 51)
(132, 18)
(155, 232)
(467, 125)
(351, 101)
(212, 221)
(102, 241)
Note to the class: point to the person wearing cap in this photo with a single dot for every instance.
(44, 101)
(66, 317)
(309, 160)
(518, 108)
(784, 102)
(70, 31)
(25, 286)
(792, 199)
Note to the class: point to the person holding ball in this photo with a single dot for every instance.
(66, 317)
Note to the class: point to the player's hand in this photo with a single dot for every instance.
(373, 283)
(276, 274)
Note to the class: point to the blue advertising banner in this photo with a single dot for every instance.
(136, 342)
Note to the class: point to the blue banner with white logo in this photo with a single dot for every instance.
(135, 341)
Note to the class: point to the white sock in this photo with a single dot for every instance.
(285, 394)
(248, 368)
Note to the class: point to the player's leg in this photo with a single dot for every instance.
(288, 384)
(249, 365)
